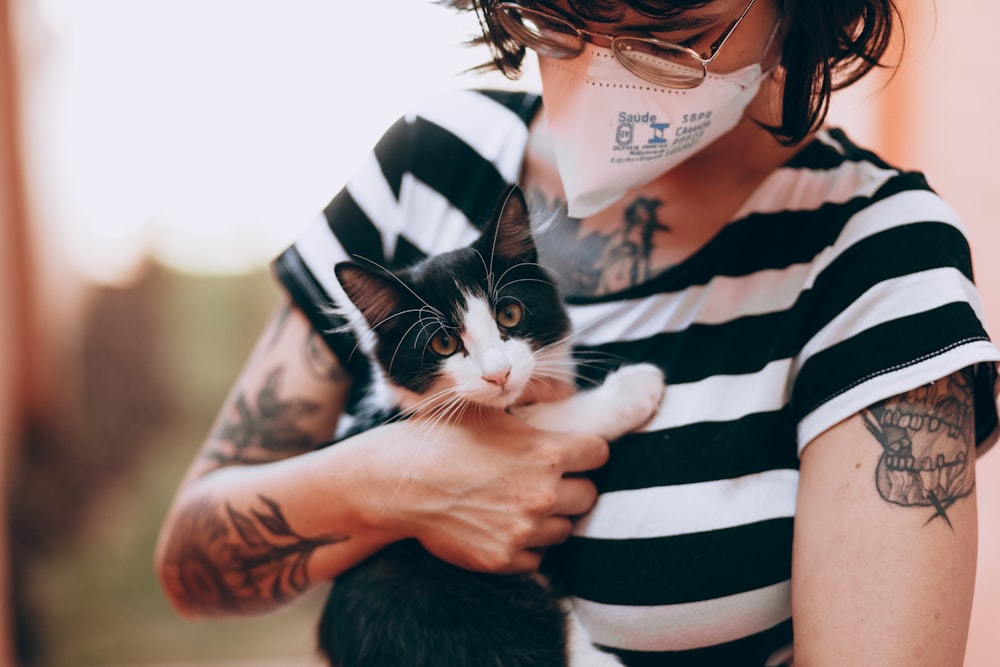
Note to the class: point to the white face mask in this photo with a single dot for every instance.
(613, 131)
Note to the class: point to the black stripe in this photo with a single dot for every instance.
(762, 241)
(752, 651)
(448, 165)
(743, 345)
(470, 182)
(407, 253)
(858, 154)
(817, 156)
(676, 569)
(986, 407)
(393, 152)
(353, 230)
(525, 105)
(701, 452)
(307, 293)
(893, 253)
(882, 348)
(747, 344)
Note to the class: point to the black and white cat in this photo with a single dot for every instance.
(473, 326)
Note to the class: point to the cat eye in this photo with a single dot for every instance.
(444, 344)
(509, 315)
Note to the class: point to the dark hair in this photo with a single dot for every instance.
(827, 46)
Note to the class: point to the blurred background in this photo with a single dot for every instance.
(156, 154)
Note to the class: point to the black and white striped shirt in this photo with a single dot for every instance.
(840, 282)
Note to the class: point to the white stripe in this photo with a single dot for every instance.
(895, 211)
(372, 194)
(885, 385)
(751, 393)
(797, 189)
(894, 299)
(726, 298)
(722, 300)
(824, 137)
(685, 626)
(432, 223)
(491, 129)
(320, 250)
(691, 508)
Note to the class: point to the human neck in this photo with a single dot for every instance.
(741, 158)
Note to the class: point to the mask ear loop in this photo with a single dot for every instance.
(767, 48)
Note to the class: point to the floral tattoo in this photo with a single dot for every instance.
(246, 560)
(265, 430)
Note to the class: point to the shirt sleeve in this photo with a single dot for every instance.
(433, 177)
(893, 306)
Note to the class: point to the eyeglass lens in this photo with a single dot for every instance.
(552, 36)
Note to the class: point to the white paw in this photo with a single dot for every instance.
(581, 652)
(594, 658)
(634, 394)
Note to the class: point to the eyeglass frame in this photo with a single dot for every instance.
(586, 36)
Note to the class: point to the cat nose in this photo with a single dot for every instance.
(498, 377)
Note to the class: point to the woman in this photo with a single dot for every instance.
(830, 382)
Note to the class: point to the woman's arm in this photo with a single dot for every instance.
(884, 556)
(262, 514)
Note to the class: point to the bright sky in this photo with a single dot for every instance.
(207, 132)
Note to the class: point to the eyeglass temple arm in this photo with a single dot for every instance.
(717, 44)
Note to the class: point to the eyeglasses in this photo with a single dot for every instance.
(654, 60)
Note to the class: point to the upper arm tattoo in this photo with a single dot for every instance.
(929, 445)
(321, 361)
(271, 426)
(264, 428)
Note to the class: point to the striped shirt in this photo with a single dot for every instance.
(841, 281)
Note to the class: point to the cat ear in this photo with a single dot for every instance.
(375, 293)
(509, 233)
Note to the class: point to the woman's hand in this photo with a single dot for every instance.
(486, 493)
(261, 517)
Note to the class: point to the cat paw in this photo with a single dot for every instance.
(633, 394)
(594, 658)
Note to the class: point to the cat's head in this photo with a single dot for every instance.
(472, 325)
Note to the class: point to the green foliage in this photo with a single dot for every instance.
(157, 362)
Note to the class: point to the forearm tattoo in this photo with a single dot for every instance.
(321, 362)
(241, 561)
(263, 429)
(929, 445)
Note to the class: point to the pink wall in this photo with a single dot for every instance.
(939, 114)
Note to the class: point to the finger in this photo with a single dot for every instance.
(574, 496)
(553, 530)
(527, 560)
(584, 452)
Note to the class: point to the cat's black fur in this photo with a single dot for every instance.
(403, 607)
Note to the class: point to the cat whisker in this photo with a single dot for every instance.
(433, 318)
(493, 245)
(398, 280)
(368, 333)
(486, 268)
(522, 264)
(559, 375)
(445, 411)
(402, 338)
